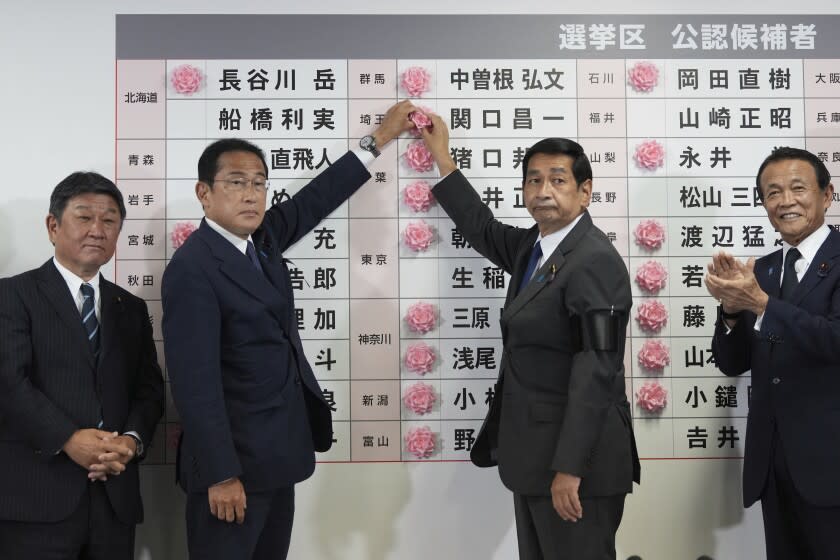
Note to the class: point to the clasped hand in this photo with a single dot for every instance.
(734, 285)
(101, 453)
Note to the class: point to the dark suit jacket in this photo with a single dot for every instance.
(558, 408)
(249, 402)
(795, 363)
(51, 386)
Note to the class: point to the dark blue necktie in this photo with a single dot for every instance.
(89, 318)
(536, 254)
(252, 255)
(790, 281)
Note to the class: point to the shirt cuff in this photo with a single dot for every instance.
(140, 447)
(364, 156)
(444, 177)
(758, 320)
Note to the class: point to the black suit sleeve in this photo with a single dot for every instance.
(41, 423)
(147, 397)
(494, 240)
(192, 331)
(290, 220)
(732, 350)
(602, 285)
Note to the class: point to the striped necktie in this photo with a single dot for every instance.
(89, 318)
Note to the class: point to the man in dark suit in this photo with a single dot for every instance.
(780, 318)
(80, 389)
(251, 408)
(559, 426)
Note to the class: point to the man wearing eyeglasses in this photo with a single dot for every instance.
(251, 409)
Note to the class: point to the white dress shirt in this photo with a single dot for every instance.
(365, 157)
(74, 284)
(550, 242)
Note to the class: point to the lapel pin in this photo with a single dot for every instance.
(823, 269)
(553, 272)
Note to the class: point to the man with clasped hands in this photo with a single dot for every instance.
(81, 391)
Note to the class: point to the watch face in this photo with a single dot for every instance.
(366, 143)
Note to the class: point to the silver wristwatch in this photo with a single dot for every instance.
(368, 143)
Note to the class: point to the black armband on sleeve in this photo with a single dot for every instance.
(599, 329)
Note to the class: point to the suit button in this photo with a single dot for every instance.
(776, 381)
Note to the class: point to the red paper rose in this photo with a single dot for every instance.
(650, 155)
(418, 236)
(419, 398)
(649, 234)
(420, 358)
(654, 355)
(652, 316)
(418, 157)
(651, 277)
(420, 442)
(415, 81)
(643, 76)
(421, 317)
(652, 396)
(418, 196)
(186, 79)
(180, 232)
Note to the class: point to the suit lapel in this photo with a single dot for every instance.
(819, 267)
(240, 271)
(55, 290)
(272, 264)
(521, 265)
(771, 279)
(111, 309)
(550, 268)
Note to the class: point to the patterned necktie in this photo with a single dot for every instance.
(790, 280)
(89, 318)
(536, 253)
(252, 254)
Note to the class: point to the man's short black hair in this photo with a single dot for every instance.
(208, 163)
(581, 169)
(83, 182)
(785, 152)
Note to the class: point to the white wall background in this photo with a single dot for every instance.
(57, 115)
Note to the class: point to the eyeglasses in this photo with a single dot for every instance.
(239, 184)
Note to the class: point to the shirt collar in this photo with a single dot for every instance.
(74, 283)
(238, 242)
(549, 243)
(809, 246)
